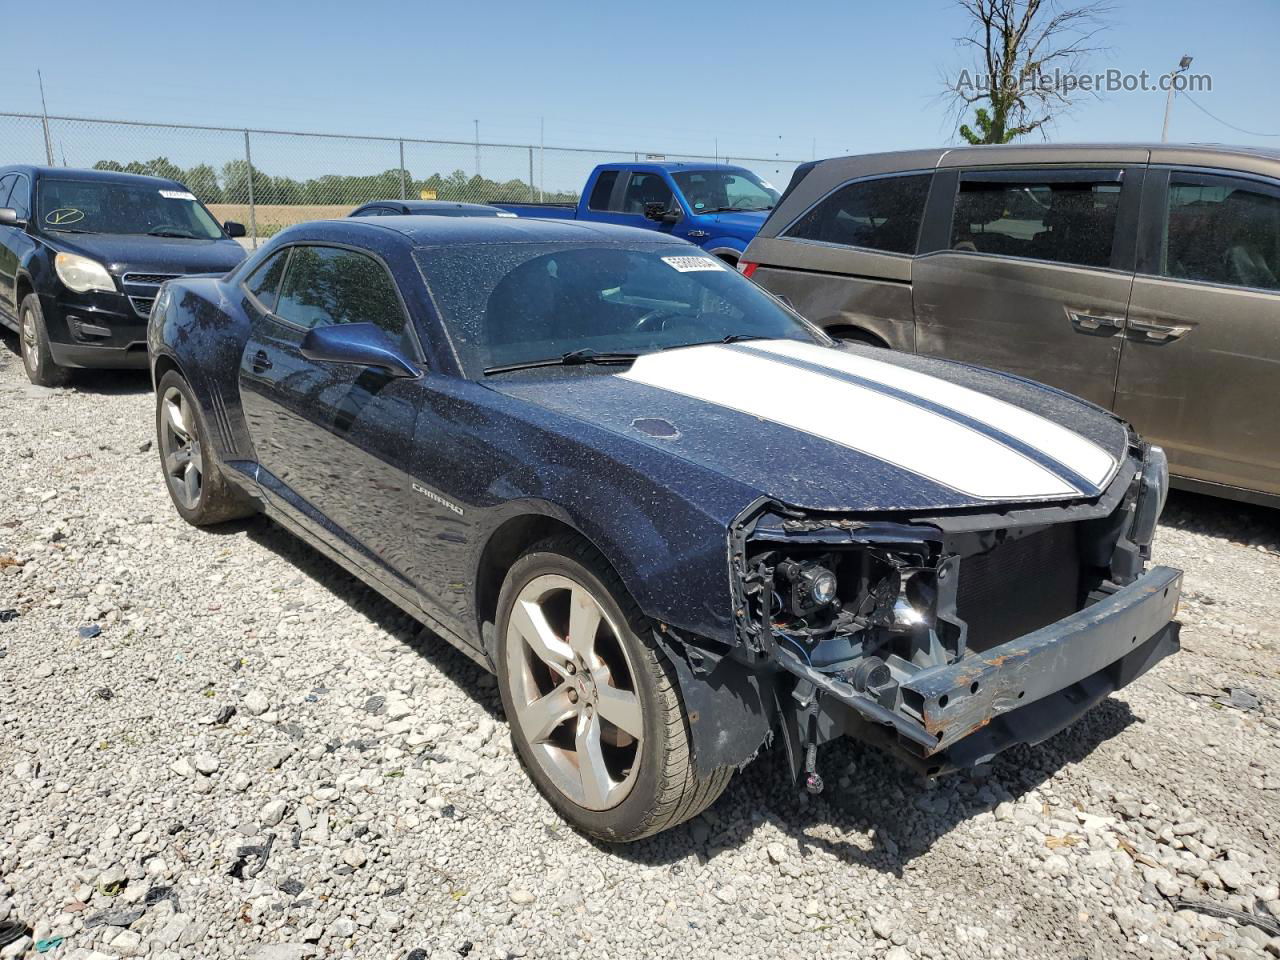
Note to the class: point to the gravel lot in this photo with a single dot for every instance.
(363, 800)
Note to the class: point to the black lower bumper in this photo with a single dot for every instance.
(1023, 691)
(96, 330)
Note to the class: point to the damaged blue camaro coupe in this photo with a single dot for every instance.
(678, 522)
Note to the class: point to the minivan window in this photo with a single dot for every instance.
(603, 189)
(880, 214)
(1221, 231)
(330, 285)
(1068, 221)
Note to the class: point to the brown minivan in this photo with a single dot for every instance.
(1145, 278)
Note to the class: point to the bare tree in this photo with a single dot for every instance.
(1026, 56)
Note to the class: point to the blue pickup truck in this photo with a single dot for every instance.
(718, 207)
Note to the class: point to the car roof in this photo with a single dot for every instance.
(430, 205)
(85, 173)
(429, 230)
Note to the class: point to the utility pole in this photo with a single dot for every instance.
(542, 157)
(44, 120)
(1183, 64)
(477, 123)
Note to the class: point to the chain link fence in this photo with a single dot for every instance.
(269, 179)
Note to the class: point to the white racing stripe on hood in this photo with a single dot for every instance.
(853, 416)
(1080, 454)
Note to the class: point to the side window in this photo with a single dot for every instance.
(881, 214)
(20, 198)
(645, 188)
(329, 285)
(1067, 221)
(6, 184)
(1222, 231)
(264, 283)
(603, 189)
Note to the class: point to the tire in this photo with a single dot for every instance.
(37, 358)
(854, 335)
(650, 783)
(193, 476)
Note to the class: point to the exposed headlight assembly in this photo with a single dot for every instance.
(1153, 489)
(82, 275)
(813, 586)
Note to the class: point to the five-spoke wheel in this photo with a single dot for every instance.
(180, 448)
(594, 705)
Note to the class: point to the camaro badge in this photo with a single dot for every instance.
(437, 498)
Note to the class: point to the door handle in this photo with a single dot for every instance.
(1094, 321)
(1159, 332)
(261, 362)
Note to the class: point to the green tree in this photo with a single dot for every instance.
(1026, 54)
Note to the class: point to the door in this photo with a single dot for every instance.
(1200, 372)
(628, 197)
(8, 253)
(332, 439)
(1035, 275)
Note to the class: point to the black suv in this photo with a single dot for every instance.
(82, 254)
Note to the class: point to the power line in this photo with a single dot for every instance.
(1252, 133)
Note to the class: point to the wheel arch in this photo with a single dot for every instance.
(509, 540)
(843, 330)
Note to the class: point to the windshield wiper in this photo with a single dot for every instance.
(180, 234)
(69, 230)
(572, 358)
(731, 338)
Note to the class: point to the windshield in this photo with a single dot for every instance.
(103, 206)
(519, 302)
(710, 191)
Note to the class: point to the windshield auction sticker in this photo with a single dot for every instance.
(63, 216)
(177, 195)
(693, 264)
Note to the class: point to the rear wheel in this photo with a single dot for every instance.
(37, 358)
(192, 473)
(595, 710)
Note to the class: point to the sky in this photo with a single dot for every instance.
(746, 78)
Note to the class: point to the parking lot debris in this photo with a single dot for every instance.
(375, 705)
(49, 943)
(243, 869)
(224, 715)
(8, 615)
(103, 693)
(115, 917)
(1265, 924)
(11, 931)
(90, 631)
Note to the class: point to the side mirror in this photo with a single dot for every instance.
(233, 229)
(659, 212)
(9, 218)
(362, 344)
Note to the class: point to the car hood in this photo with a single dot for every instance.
(846, 429)
(744, 224)
(122, 253)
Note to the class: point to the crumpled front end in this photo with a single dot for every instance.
(950, 638)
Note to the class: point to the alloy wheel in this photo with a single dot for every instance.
(180, 448)
(574, 690)
(30, 340)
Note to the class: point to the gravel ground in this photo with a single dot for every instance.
(221, 745)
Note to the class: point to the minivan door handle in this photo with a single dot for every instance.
(1159, 332)
(1094, 321)
(261, 362)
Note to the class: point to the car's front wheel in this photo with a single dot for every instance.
(595, 709)
(37, 358)
(192, 473)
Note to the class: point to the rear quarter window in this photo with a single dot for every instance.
(881, 214)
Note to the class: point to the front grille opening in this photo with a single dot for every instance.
(1019, 586)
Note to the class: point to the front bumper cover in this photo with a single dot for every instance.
(1025, 690)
